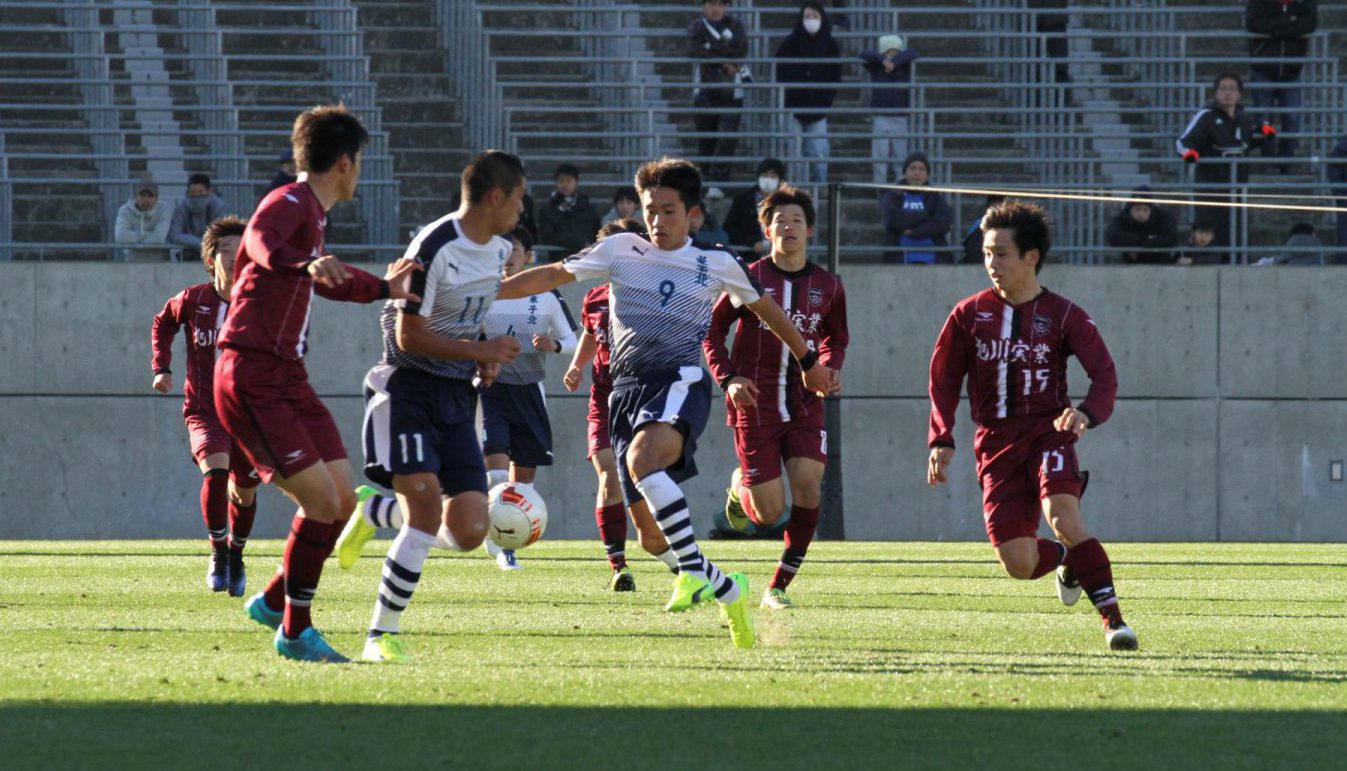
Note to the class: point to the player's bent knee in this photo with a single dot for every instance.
(466, 519)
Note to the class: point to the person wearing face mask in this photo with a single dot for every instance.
(742, 221)
(916, 220)
(192, 214)
(812, 38)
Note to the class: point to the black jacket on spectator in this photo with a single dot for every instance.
(570, 226)
(924, 213)
(1337, 170)
(742, 223)
(1281, 28)
(1160, 231)
(1215, 135)
(701, 45)
(890, 92)
(809, 104)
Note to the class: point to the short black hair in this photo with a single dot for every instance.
(217, 230)
(491, 170)
(1215, 84)
(677, 173)
(325, 133)
(1204, 224)
(773, 165)
(621, 226)
(1302, 229)
(567, 170)
(199, 178)
(1028, 224)
(522, 235)
(786, 195)
(626, 193)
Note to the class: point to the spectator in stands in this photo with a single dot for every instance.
(890, 71)
(1051, 28)
(1216, 138)
(704, 230)
(812, 38)
(1302, 247)
(915, 220)
(1337, 178)
(626, 202)
(285, 171)
(742, 222)
(192, 214)
(722, 41)
(143, 220)
(972, 238)
(1146, 233)
(1201, 243)
(568, 220)
(1280, 28)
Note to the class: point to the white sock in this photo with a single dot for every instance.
(445, 540)
(401, 573)
(496, 476)
(669, 559)
(382, 511)
(670, 508)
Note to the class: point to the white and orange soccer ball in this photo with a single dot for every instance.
(518, 515)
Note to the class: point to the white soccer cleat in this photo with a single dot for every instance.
(505, 559)
(1068, 588)
(1120, 636)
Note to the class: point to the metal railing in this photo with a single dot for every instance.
(209, 70)
(96, 91)
(473, 74)
(6, 202)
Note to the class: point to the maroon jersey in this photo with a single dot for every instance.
(270, 303)
(1015, 359)
(202, 311)
(813, 299)
(594, 319)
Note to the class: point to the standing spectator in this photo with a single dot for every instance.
(1200, 241)
(915, 220)
(1143, 231)
(812, 38)
(742, 221)
(625, 204)
(285, 171)
(1337, 178)
(890, 70)
(1281, 27)
(568, 220)
(192, 214)
(721, 40)
(143, 220)
(1217, 137)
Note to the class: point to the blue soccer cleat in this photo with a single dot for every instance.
(257, 610)
(309, 646)
(217, 575)
(238, 576)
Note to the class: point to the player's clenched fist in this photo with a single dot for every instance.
(743, 392)
(163, 382)
(820, 379)
(1072, 420)
(572, 378)
(497, 350)
(938, 464)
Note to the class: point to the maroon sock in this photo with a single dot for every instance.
(215, 507)
(274, 594)
(1050, 555)
(1089, 564)
(746, 503)
(799, 534)
(308, 545)
(241, 524)
(612, 520)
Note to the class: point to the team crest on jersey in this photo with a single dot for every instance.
(1042, 324)
(815, 296)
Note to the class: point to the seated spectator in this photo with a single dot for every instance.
(972, 239)
(1145, 232)
(192, 214)
(285, 171)
(812, 38)
(742, 221)
(917, 221)
(1201, 248)
(890, 71)
(705, 233)
(568, 220)
(143, 220)
(1302, 247)
(626, 203)
(1337, 179)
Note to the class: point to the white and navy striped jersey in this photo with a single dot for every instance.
(459, 281)
(522, 318)
(660, 301)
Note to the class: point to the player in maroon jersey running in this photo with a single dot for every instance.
(262, 391)
(1012, 342)
(775, 418)
(608, 512)
(229, 482)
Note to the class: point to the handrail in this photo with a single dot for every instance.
(222, 134)
(6, 202)
(474, 79)
(96, 90)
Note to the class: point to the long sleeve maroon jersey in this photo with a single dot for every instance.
(815, 302)
(594, 319)
(273, 293)
(1015, 359)
(202, 311)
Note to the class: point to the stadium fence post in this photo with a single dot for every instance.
(831, 520)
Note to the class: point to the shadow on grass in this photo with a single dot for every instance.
(178, 735)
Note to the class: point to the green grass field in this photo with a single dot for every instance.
(901, 655)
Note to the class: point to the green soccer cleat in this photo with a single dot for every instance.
(688, 591)
(257, 610)
(739, 616)
(776, 599)
(309, 646)
(734, 510)
(357, 532)
(623, 581)
(386, 647)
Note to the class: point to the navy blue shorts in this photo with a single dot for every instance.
(681, 399)
(416, 422)
(514, 423)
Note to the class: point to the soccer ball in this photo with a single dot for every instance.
(518, 515)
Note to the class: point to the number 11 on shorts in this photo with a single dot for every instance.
(420, 452)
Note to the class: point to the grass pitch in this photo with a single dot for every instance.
(901, 655)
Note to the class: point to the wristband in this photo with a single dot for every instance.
(384, 289)
(808, 361)
(557, 343)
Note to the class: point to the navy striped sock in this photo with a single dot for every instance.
(401, 573)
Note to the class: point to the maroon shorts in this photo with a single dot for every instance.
(268, 406)
(762, 449)
(1020, 464)
(208, 438)
(598, 421)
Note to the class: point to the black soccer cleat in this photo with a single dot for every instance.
(622, 581)
(1120, 636)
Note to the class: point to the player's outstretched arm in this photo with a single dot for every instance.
(584, 354)
(817, 378)
(543, 278)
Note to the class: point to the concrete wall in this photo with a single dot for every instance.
(1232, 405)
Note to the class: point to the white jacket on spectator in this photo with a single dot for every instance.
(144, 227)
